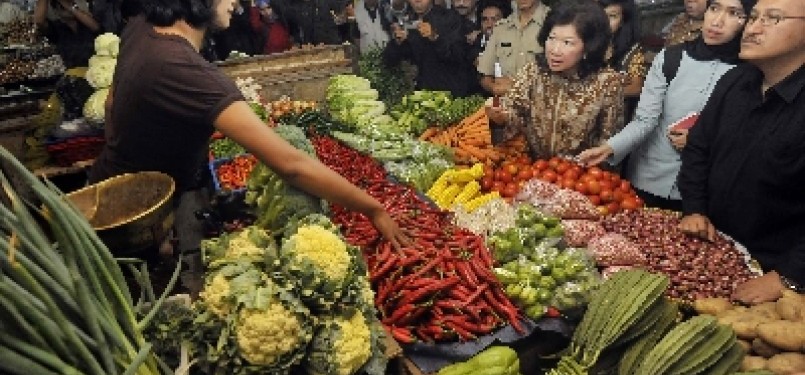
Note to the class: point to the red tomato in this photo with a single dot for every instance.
(639, 201)
(603, 210)
(629, 203)
(593, 187)
(489, 171)
(562, 167)
(569, 184)
(553, 162)
(618, 195)
(498, 186)
(595, 171)
(505, 176)
(605, 184)
(596, 200)
(625, 186)
(525, 174)
(509, 191)
(613, 207)
(511, 168)
(524, 159)
(549, 175)
(606, 196)
(571, 174)
(540, 165)
(581, 187)
(585, 178)
(486, 183)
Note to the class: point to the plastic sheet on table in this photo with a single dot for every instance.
(432, 357)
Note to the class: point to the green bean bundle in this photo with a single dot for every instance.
(65, 307)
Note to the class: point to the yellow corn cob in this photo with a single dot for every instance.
(477, 171)
(448, 195)
(464, 175)
(470, 191)
(479, 201)
(438, 186)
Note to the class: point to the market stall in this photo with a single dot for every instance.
(516, 265)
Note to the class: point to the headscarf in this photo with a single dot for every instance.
(727, 52)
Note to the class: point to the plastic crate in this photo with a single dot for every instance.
(214, 165)
(68, 151)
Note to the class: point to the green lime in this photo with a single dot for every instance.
(544, 295)
(547, 283)
(540, 230)
(551, 222)
(559, 275)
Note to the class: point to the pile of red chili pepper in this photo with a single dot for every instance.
(441, 287)
(234, 173)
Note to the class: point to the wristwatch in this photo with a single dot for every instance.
(789, 284)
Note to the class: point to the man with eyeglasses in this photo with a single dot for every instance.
(743, 169)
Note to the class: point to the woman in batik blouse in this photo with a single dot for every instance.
(566, 100)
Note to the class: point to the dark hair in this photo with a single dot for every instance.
(504, 6)
(198, 13)
(629, 32)
(591, 24)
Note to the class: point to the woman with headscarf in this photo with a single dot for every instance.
(652, 138)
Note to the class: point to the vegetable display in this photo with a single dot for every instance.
(64, 303)
(772, 333)
(225, 148)
(531, 227)
(470, 139)
(548, 281)
(301, 306)
(623, 308)
(233, 173)
(423, 108)
(697, 268)
(495, 360)
(441, 288)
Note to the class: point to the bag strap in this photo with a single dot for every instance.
(673, 58)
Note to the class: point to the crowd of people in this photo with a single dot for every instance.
(564, 76)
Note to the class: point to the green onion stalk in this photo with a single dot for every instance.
(65, 307)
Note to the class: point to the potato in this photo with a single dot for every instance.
(785, 335)
(767, 311)
(746, 329)
(786, 363)
(745, 345)
(791, 306)
(764, 349)
(751, 362)
(712, 306)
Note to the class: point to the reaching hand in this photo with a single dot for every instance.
(497, 114)
(766, 288)
(427, 32)
(390, 230)
(678, 138)
(698, 225)
(595, 155)
(399, 33)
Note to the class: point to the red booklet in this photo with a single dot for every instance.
(685, 123)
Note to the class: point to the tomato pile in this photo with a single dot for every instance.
(605, 189)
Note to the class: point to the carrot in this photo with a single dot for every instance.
(428, 133)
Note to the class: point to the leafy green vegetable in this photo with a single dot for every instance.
(390, 84)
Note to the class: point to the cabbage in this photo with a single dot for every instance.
(107, 44)
(101, 70)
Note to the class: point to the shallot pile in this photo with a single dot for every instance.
(697, 268)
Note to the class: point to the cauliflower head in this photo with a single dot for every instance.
(101, 71)
(95, 106)
(266, 335)
(229, 284)
(341, 346)
(251, 243)
(354, 347)
(107, 44)
(323, 248)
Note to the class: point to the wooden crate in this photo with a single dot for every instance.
(301, 74)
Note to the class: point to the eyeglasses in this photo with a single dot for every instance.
(769, 19)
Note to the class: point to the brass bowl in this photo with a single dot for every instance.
(130, 212)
